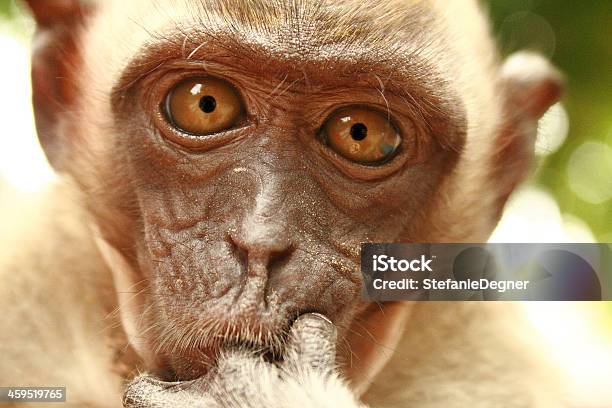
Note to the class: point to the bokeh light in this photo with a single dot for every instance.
(527, 30)
(590, 172)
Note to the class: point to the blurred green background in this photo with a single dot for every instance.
(577, 37)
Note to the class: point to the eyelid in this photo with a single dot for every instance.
(360, 171)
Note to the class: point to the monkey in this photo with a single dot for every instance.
(219, 164)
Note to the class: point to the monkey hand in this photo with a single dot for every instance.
(306, 377)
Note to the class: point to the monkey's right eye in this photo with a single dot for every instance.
(203, 106)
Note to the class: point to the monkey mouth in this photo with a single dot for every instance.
(267, 342)
(194, 362)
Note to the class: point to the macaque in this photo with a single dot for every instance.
(221, 161)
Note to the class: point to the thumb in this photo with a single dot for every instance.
(312, 343)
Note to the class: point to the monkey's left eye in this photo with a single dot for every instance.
(362, 135)
(203, 106)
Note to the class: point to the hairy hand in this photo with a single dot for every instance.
(306, 377)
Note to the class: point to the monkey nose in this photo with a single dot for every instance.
(261, 249)
(260, 255)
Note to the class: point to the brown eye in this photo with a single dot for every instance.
(361, 135)
(202, 106)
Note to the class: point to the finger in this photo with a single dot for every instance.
(146, 391)
(312, 343)
(140, 391)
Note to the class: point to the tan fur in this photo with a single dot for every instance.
(467, 355)
(57, 299)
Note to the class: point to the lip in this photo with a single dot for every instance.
(186, 367)
(194, 362)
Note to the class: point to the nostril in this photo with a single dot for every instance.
(259, 261)
(278, 259)
(271, 255)
(263, 250)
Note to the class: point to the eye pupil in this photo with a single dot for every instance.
(208, 104)
(359, 131)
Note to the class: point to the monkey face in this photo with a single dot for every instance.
(234, 158)
(246, 227)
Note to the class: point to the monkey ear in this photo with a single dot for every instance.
(49, 13)
(54, 66)
(532, 85)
